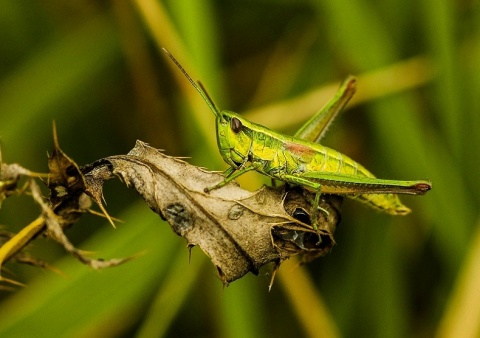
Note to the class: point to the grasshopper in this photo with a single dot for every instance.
(300, 160)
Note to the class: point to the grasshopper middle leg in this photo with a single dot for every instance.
(314, 186)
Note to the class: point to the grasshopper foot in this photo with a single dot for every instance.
(213, 187)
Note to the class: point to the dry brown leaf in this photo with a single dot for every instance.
(10, 174)
(66, 203)
(239, 230)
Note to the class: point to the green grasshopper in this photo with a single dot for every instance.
(300, 160)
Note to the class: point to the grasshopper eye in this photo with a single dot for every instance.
(236, 125)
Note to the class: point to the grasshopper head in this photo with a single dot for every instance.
(233, 138)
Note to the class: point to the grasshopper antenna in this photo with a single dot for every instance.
(208, 96)
(198, 87)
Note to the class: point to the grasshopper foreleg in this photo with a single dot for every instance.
(230, 174)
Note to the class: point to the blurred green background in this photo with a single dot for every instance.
(96, 68)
